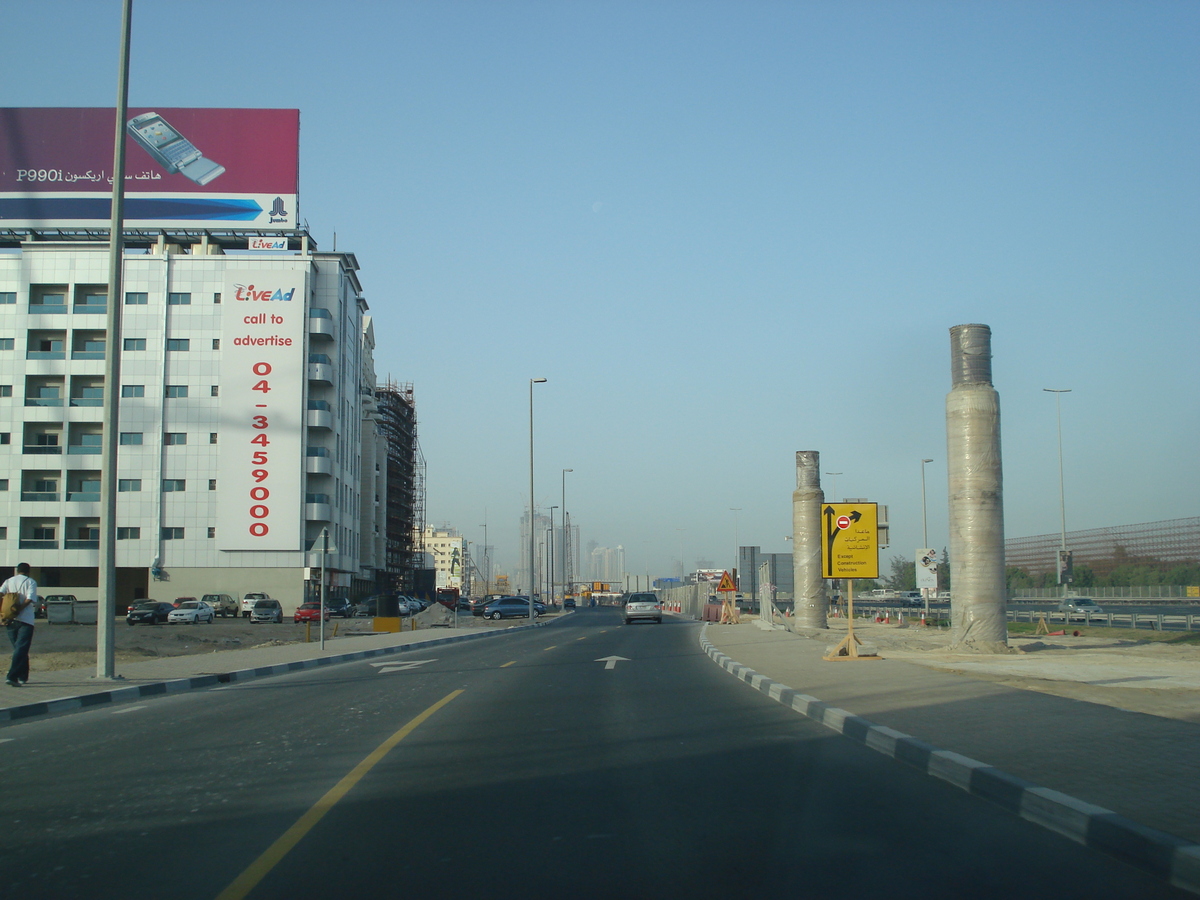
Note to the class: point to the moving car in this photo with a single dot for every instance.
(224, 604)
(1080, 606)
(511, 608)
(643, 606)
(309, 612)
(912, 599)
(266, 610)
(569, 603)
(149, 612)
(191, 612)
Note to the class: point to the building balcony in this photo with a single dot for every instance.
(83, 497)
(43, 401)
(320, 418)
(46, 309)
(321, 328)
(43, 449)
(84, 450)
(46, 354)
(37, 545)
(322, 372)
(318, 512)
(87, 354)
(81, 545)
(85, 401)
(39, 496)
(318, 465)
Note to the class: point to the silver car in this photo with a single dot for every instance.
(1080, 606)
(191, 612)
(266, 611)
(642, 606)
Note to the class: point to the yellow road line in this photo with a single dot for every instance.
(257, 871)
(551, 647)
(507, 664)
(584, 638)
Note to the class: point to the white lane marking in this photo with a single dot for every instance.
(610, 662)
(128, 709)
(397, 666)
(6, 740)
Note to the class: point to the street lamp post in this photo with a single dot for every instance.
(924, 527)
(1062, 497)
(551, 542)
(532, 532)
(833, 486)
(735, 510)
(566, 541)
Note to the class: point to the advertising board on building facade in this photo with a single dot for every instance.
(263, 373)
(184, 168)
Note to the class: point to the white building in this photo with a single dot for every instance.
(446, 549)
(245, 381)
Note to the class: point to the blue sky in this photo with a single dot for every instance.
(727, 231)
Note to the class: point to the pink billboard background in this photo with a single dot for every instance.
(259, 148)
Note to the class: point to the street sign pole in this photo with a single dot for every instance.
(850, 551)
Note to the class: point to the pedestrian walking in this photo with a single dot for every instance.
(20, 627)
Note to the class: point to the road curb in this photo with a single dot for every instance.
(15, 714)
(1169, 857)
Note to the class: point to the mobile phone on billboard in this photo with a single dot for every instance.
(170, 149)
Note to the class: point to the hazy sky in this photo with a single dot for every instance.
(727, 231)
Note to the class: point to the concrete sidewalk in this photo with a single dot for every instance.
(1142, 767)
(68, 689)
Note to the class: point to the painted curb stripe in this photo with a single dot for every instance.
(1157, 852)
(195, 682)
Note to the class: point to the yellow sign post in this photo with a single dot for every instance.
(850, 550)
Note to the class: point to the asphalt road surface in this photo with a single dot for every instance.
(531, 765)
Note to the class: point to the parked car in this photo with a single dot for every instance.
(223, 604)
(511, 608)
(643, 606)
(366, 609)
(569, 603)
(1080, 606)
(191, 612)
(179, 601)
(39, 609)
(464, 604)
(339, 606)
(266, 610)
(478, 603)
(148, 612)
(912, 599)
(250, 599)
(309, 612)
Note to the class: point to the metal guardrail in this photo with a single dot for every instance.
(1153, 621)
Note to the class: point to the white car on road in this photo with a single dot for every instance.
(191, 612)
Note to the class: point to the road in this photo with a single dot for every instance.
(585, 758)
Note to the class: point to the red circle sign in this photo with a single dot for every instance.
(843, 522)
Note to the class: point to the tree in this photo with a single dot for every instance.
(904, 574)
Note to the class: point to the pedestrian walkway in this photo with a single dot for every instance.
(1142, 767)
(68, 689)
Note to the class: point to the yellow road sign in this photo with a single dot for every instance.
(851, 545)
(726, 583)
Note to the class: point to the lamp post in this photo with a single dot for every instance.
(924, 527)
(532, 532)
(1062, 497)
(735, 510)
(566, 541)
(833, 486)
(551, 542)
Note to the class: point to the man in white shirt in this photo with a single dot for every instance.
(20, 629)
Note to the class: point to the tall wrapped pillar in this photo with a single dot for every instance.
(977, 609)
(811, 603)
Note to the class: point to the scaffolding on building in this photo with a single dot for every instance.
(405, 516)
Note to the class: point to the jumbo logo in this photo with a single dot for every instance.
(248, 292)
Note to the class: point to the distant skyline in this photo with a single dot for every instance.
(724, 232)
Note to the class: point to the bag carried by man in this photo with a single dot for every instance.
(10, 605)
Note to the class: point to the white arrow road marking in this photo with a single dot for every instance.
(610, 662)
(397, 666)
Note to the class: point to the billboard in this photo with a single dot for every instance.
(262, 416)
(184, 168)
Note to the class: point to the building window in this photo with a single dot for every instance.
(178, 344)
(179, 299)
(172, 534)
(43, 532)
(128, 534)
(134, 344)
(6, 437)
(212, 437)
(3, 484)
(7, 297)
(6, 343)
(131, 438)
(212, 484)
(5, 390)
(133, 390)
(173, 485)
(212, 532)
(127, 485)
(136, 298)
(174, 438)
(216, 343)
(214, 390)
(216, 298)
(3, 532)
(177, 390)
